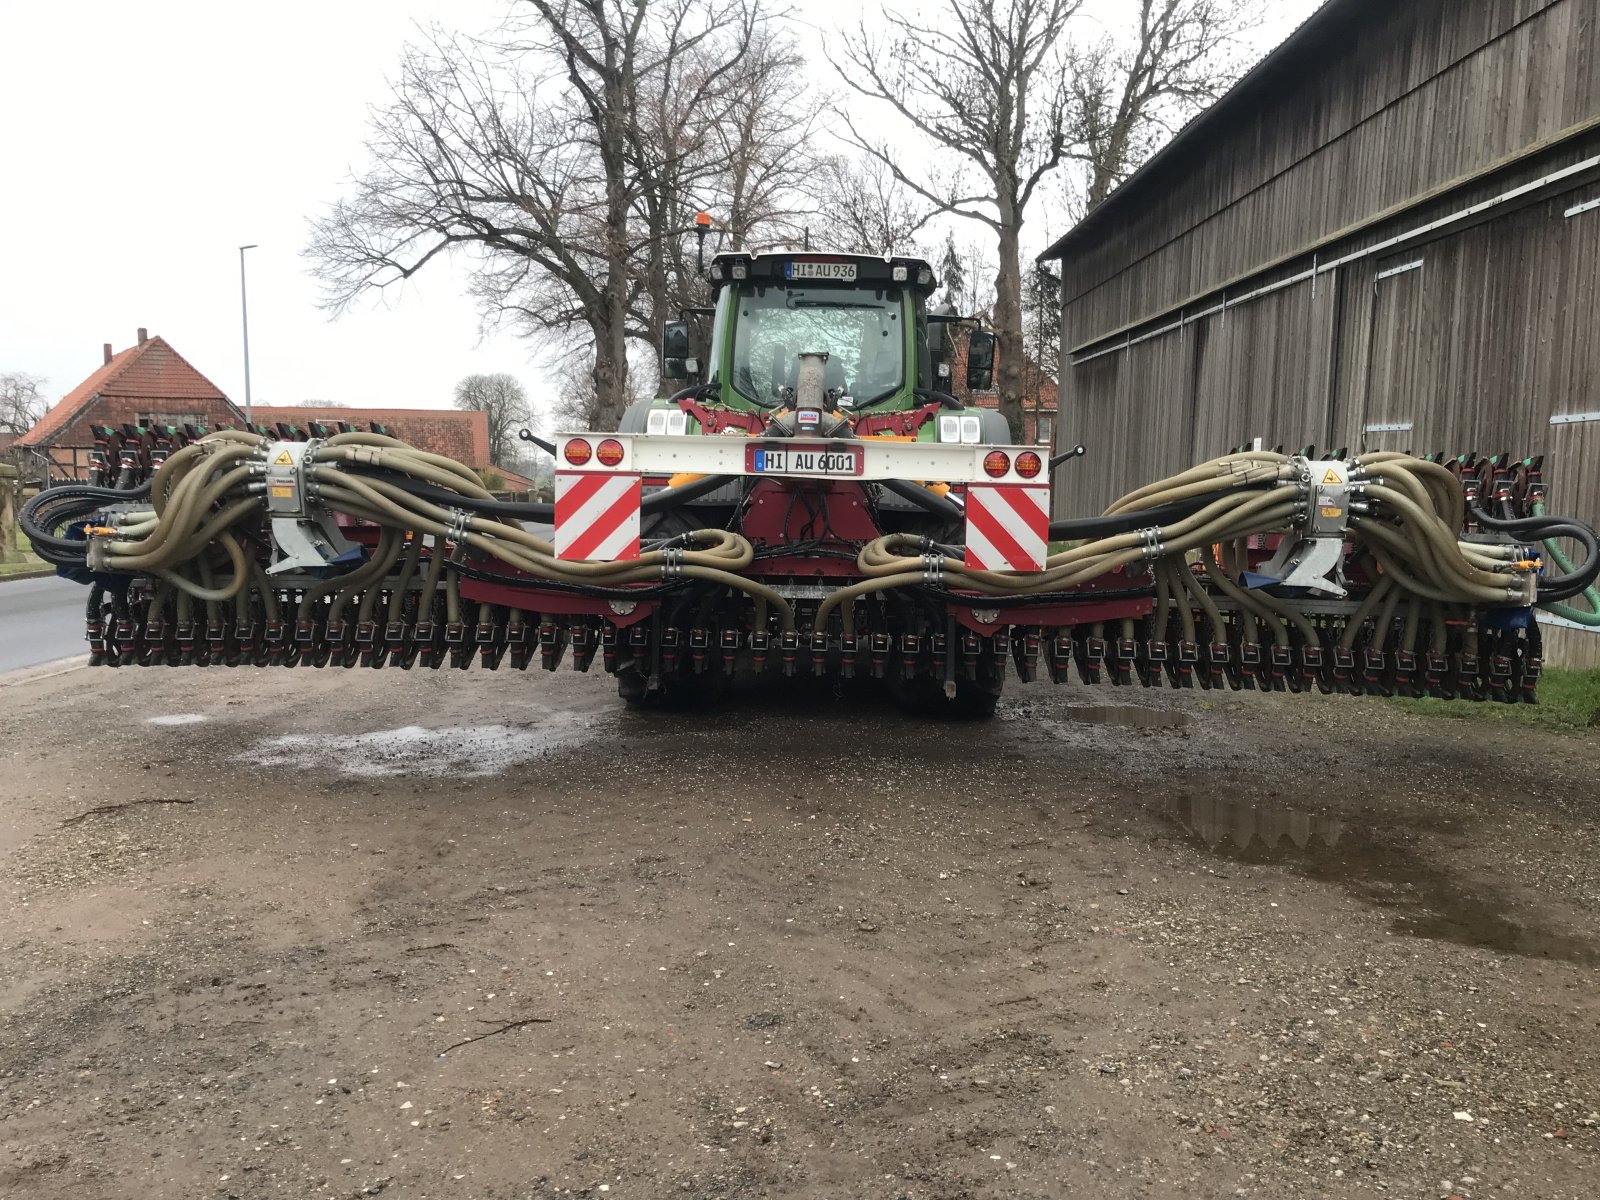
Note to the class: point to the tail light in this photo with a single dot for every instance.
(609, 452)
(578, 451)
(996, 463)
(1029, 464)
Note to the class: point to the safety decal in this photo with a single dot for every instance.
(1008, 528)
(597, 516)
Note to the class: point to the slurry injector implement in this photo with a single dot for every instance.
(815, 502)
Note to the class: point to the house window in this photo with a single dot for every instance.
(162, 418)
(1046, 431)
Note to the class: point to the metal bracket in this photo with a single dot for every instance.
(1316, 563)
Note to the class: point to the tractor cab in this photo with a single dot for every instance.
(864, 321)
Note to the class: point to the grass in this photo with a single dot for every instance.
(1568, 701)
(30, 562)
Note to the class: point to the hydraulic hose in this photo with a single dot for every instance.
(1591, 595)
(1100, 527)
(1574, 581)
(667, 498)
(923, 497)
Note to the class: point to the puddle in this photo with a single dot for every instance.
(176, 719)
(1129, 716)
(1230, 826)
(474, 750)
(1383, 866)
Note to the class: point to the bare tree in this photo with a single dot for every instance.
(505, 402)
(576, 407)
(733, 139)
(1005, 98)
(982, 87)
(535, 152)
(766, 145)
(1041, 312)
(22, 401)
(1131, 90)
(868, 208)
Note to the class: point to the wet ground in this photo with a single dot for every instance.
(469, 935)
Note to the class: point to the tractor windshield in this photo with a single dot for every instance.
(862, 330)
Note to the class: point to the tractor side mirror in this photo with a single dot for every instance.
(980, 361)
(675, 350)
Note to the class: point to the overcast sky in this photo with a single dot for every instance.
(143, 143)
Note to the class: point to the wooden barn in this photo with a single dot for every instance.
(1386, 235)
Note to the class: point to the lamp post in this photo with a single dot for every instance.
(244, 314)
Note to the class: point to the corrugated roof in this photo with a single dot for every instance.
(149, 370)
(1280, 64)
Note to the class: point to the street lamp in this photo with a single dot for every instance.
(244, 313)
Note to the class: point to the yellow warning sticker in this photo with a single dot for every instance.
(283, 459)
(282, 491)
(1328, 511)
(1331, 477)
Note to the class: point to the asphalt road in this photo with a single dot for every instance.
(41, 620)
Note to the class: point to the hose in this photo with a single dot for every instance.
(1574, 581)
(1591, 595)
(667, 498)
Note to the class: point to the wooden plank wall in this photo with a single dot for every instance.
(1424, 93)
(1475, 340)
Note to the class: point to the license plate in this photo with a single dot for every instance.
(803, 459)
(837, 272)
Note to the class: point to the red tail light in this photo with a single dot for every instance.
(996, 463)
(1029, 464)
(578, 451)
(609, 452)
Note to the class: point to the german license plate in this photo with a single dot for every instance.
(804, 459)
(834, 272)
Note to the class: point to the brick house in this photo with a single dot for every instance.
(1041, 393)
(148, 383)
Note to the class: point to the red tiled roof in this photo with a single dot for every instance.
(150, 370)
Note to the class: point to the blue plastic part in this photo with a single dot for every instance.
(1503, 620)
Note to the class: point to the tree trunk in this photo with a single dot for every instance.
(611, 362)
(1008, 328)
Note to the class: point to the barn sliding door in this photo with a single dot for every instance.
(1397, 352)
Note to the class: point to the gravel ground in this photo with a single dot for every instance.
(337, 934)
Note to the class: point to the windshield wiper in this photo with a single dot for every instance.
(834, 304)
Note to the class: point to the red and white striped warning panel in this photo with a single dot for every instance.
(1008, 528)
(597, 515)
